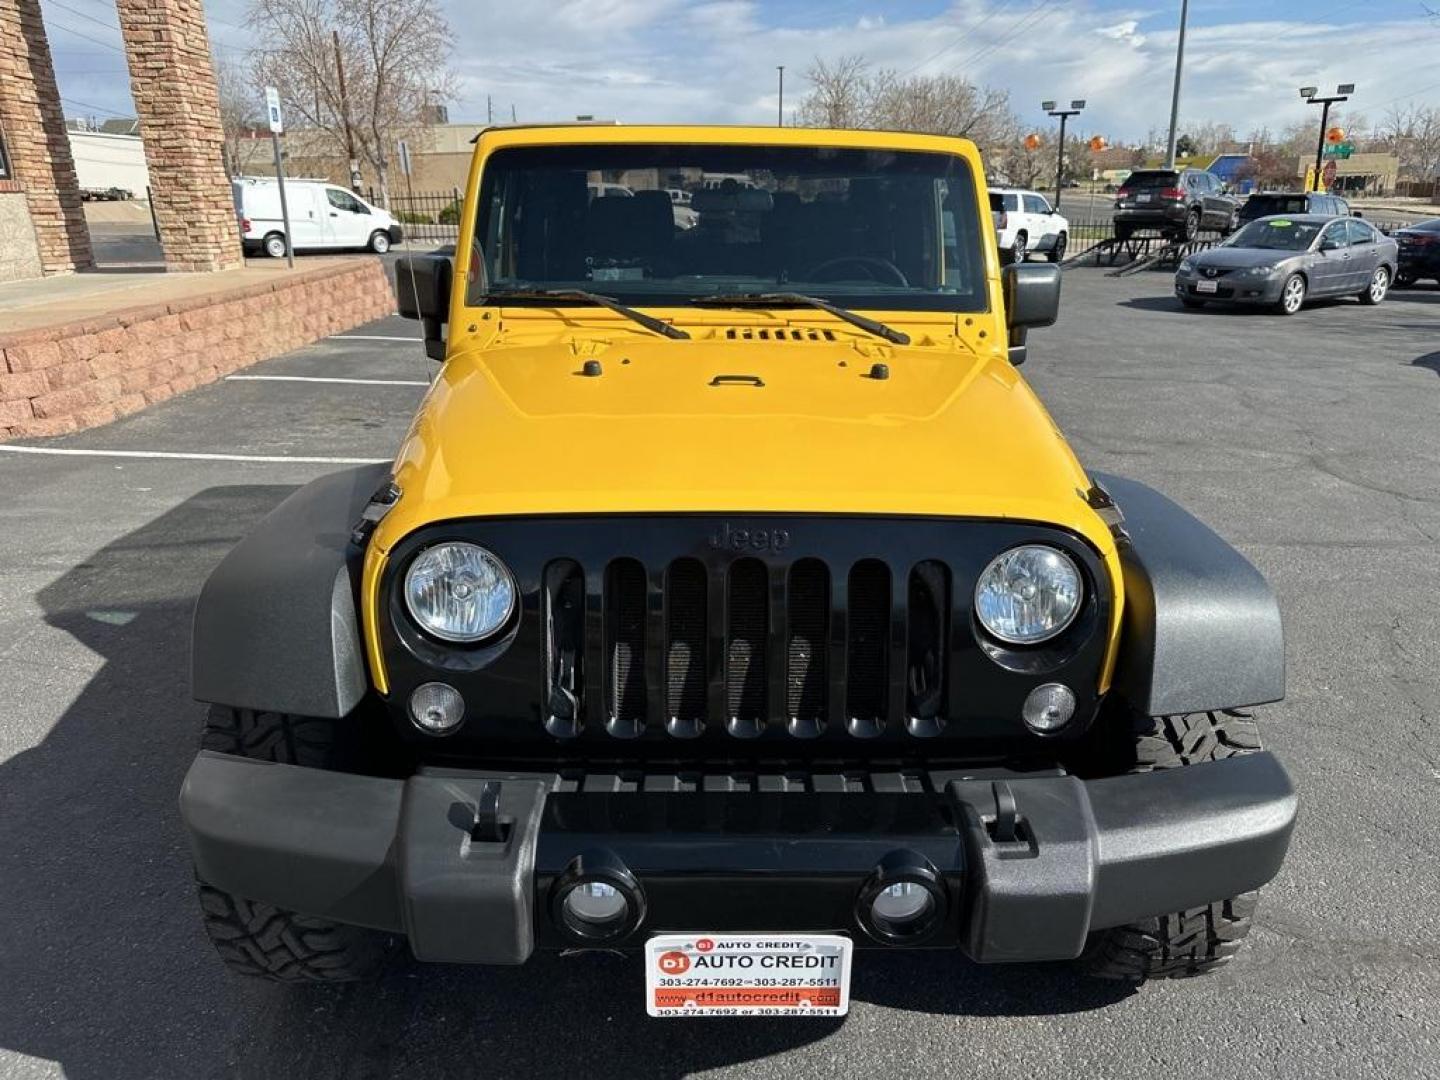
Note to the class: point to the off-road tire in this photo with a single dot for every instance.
(260, 940)
(1200, 939)
(265, 942)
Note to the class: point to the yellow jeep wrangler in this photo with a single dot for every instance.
(732, 601)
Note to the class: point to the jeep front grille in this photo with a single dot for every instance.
(782, 645)
(707, 637)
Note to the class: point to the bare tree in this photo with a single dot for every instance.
(239, 115)
(839, 94)
(393, 53)
(846, 93)
(1412, 132)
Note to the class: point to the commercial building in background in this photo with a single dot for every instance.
(105, 161)
(439, 154)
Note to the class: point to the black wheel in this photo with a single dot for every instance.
(1191, 228)
(1403, 279)
(1379, 285)
(1191, 302)
(1020, 252)
(1292, 295)
(1057, 253)
(1124, 232)
(267, 942)
(1201, 939)
(379, 242)
(274, 245)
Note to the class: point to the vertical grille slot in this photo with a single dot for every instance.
(745, 640)
(808, 606)
(564, 622)
(926, 648)
(866, 654)
(625, 647)
(686, 628)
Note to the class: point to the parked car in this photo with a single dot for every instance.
(1025, 223)
(1419, 252)
(1177, 203)
(1284, 261)
(606, 190)
(686, 217)
(753, 690)
(1269, 203)
(323, 217)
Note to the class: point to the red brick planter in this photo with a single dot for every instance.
(63, 378)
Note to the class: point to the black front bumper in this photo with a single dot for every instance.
(466, 864)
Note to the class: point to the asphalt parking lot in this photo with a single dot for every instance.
(1309, 442)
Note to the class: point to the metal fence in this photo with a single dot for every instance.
(426, 215)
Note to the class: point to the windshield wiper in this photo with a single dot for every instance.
(647, 321)
(783, 299)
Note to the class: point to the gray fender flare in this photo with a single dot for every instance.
(1201, 628)
(276, 625)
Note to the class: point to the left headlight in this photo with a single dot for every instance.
(1028, 594)
(1187, 266)
(459, 592)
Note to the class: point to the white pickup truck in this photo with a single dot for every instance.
(1025, 223)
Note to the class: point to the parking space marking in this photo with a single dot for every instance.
(267, 459)
(374, 337)
(324, 379)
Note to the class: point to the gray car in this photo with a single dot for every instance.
(1285, 259)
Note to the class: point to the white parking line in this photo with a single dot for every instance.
(373, 337)
(324, 379)
(268, 459)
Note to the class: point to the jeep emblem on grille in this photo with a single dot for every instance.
(728, 538)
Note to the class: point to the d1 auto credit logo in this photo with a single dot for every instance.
(705, 944)
(674, 962)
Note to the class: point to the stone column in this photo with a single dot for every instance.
(33, 126)
(173, 84)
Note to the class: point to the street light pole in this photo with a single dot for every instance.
(1175, 95)
(1064, 114)
(780, 110)
(1342, 93)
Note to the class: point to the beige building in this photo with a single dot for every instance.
(439, 156)
(1368, 174)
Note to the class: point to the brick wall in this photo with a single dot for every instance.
(173, 84)
(34, 127)
(65, 378)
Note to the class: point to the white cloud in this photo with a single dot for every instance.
(713, 61)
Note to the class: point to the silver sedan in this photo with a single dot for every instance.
(1284, 260)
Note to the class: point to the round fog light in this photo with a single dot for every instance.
(436, 708)
(596, 903)
(1048, 708)
(902, 902)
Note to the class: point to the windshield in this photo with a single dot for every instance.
(1148, 181)
(1260, 205)
(861, 228)
(1276, 234)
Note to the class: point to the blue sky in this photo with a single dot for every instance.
(713, 61)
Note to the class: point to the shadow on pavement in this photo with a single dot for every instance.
(1429, 360)
(106, 969)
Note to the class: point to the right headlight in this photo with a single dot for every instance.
(459, 592)
(1187, 266)
(1028, 594)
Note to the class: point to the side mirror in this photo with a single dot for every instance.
(1329, 245)
(1032, 299)
(1356, 213)
(422, 291)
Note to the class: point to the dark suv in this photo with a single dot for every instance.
(1266, 203)
(1178, 203)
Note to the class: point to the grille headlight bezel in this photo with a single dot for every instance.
(442, 592)
(1002, 584)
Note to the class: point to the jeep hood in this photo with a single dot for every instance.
(716, 426)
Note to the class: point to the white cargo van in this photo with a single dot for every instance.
(322, 216)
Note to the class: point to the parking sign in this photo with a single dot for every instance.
(272, 109)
